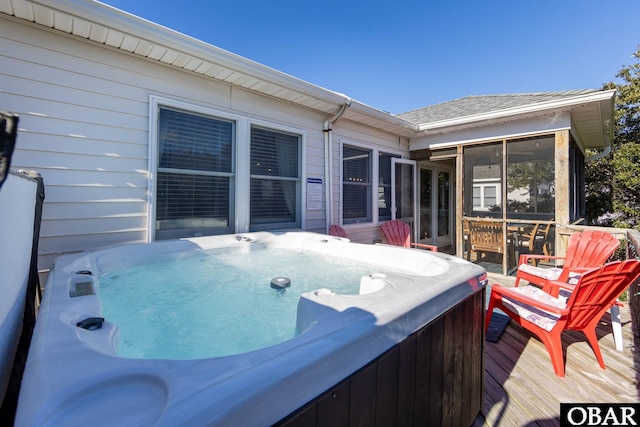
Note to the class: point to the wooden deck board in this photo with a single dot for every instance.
(521, 388)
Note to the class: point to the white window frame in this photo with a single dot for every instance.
(241, 157)
(300, 188)
(483, 185)
(375, 178)
(391, 182)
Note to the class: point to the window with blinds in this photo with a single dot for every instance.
(356, 185)
(194, 185)
(275, 183)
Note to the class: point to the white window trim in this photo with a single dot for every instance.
(241, 156)
(244, 225)
(482, 185)
(375, 153)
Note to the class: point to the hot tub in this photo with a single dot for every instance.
(75, 375)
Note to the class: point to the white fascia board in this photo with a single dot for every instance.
(522, 110)
(113, 18)
(507, 130)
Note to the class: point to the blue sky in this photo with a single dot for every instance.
(402, 55)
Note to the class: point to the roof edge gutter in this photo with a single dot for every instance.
(603, 153)
(338, 114)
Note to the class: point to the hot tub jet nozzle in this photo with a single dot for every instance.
(91, 323)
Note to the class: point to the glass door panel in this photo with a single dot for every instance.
(426, 205)
(403, 195)
(444, 208)
(436, 209)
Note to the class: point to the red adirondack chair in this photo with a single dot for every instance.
(547, 316)
(336, 230)
(398, 233)
(585, 251)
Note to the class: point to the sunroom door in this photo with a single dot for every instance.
(404, 195)
(436, 217)
(443, 204)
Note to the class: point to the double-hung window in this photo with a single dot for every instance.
(356, 185)
(360, 178)
(275, 187)
(195, 175)
(485, 196)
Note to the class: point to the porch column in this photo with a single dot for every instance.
(562, 181)
(459, 199)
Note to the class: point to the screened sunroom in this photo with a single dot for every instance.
(519, 163)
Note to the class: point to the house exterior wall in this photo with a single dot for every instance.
(84, 125)
(354, 134)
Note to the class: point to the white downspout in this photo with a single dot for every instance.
(603, 153)
(328, 164)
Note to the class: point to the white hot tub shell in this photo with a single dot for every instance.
(75, 377)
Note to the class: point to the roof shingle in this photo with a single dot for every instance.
(482, 104)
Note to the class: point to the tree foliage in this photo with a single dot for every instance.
(613, 182)
(529, 186)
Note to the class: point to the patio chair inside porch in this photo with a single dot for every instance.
(547, 316)
(535, 238)
(485, 236)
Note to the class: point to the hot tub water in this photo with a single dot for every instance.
(217, 305)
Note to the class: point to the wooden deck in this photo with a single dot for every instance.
(522, 390)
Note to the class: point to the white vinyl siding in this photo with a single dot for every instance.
(83, 132)
(85, 127)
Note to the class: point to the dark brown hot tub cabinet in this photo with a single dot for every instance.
(434, 377)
